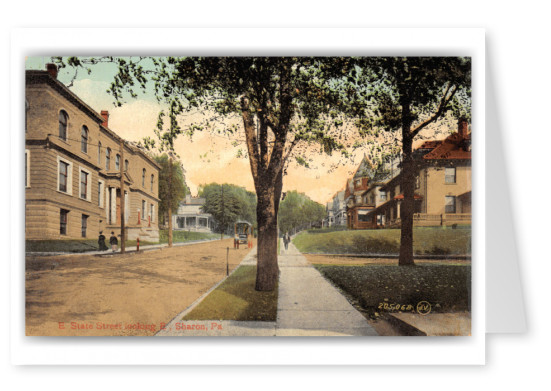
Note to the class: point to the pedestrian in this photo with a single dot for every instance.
(113, 241)
(286, 240)
(101, 241)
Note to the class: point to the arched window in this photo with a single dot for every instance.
(107, 158)
(63, 121)
(99, 152)
(125, 165)
(84, 139)
(118, 162)
(143, 177)
(152, 181)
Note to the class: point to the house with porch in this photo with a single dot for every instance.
(442, 187)
(190, 216)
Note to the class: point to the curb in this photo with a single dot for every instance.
(405, 327)
(190, 308)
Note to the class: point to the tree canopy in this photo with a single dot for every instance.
(176, 191)
(297, 211)
(228, 203)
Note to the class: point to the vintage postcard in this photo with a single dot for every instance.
(248, 196)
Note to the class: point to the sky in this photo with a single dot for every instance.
(206, 157)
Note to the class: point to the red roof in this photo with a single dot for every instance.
(452, 147)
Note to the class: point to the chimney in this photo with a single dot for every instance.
(463, 128)
(105, 115)
(52, 70)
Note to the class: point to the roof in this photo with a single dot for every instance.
(401, 197)
(453, 147)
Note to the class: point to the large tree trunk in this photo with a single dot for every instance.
(267, 271)
(408, 189)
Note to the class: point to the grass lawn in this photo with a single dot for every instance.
(426, 240)
(236, 299)
(84, 245)
(185, 236)
(73, 246)
(391, 288)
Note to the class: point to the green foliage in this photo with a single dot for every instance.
(298, 210)
(171, 190)
(228, 204)
(447, 288)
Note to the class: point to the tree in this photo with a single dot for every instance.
(281, 102)
(170, 194)
(228, 204)
(404, 95)
(298, 210)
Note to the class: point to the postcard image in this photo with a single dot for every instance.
(248, 196)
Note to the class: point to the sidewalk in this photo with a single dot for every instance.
(308, 305)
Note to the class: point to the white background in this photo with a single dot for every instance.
(517, 53)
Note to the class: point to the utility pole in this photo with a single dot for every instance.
(223, 215)
(121, 166)
(169, 198)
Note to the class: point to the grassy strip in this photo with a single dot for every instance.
(185, 236)
(236, 299)
(73, 246)
(426, 240)
(393, 288)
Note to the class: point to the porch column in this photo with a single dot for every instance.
(398, 209)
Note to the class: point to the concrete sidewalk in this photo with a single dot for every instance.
(308, 305)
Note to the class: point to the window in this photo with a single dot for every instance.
(84, 139)
(125, 165)
(107, 158)
(63, 176)
(417, 182)
(143, 209)
(83, 185)
(152, 210)
(63, 121)
(84, 225)
(27, 168)
(63, 221)
(143, 178)
(382, 195)
(118, 162)
(99, 153)
(450, 204)
(100, 194)
(27, 107)
(450, 174)
(152, 181)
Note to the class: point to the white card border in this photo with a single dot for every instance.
(246, 351)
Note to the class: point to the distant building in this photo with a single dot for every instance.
(73, 167)
(190, 217)
(339, 209)
(356, 209)
(329, 220)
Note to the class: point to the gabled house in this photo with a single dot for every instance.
(442, 188)
(190, 216)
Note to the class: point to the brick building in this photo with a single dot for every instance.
(73, 169)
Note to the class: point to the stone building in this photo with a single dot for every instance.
(73, 169)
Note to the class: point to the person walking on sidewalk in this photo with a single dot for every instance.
(114, 242)
(286, 240)
(101, 242)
